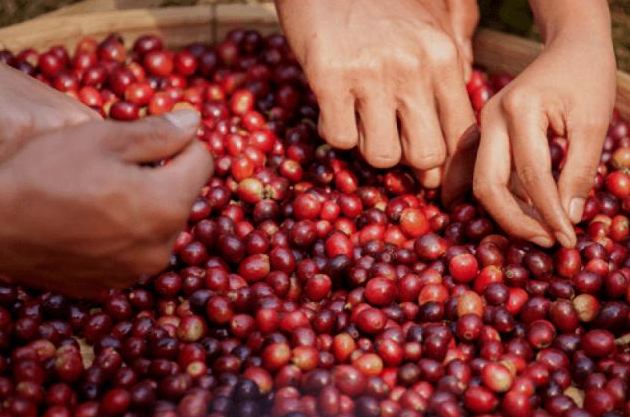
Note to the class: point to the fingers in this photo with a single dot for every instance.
(456, 113)
(460, 133)
(578, 174)
(431, 178)
(67, 112)
(78, 288)
(491, 178)
(459, 168)
(516, 187)
(337, 120)
(464, 16)
(153, 138)
(75, 112)
(86, 115)
(421, 136)
(378, 138)
(178, 182)
(533, 166)
(186, 173)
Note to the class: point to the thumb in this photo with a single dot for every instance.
(153, 138)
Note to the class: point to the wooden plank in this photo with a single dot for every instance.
(95, 6)
(623, 94)
(499, 52)
(178, 26)
(260, 17)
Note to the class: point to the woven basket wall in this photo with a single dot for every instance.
(507, 15)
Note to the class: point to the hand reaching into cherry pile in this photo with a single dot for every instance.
(77, 194)
(305, 282)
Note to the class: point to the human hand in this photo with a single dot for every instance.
(570, 89)
(464, 17)
(28, 107)
(371, 65)
(83, 213)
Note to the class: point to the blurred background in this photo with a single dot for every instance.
(511, 16)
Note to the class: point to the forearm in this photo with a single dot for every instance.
(585, 19)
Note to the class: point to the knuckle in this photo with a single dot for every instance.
(427, 160)
(324, 81)
(430, 179)
(23, 120)
(319, 77)
(341, 140)
(516, 100)
(20, 124)
(73, 113)
(370, 66)
(338, 137)
(382, 160)
(485, 115)
(442, 51)
(408, 63)
(321, 70)
(482, 188)
(77, 119)
(85, 116)
(57, 121)
(584, 175)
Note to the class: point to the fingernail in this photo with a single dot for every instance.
(576, 207)
(564, 239)
(183, 119)
(543, 241)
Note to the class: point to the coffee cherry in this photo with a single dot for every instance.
(306, 282)
(463, 267)
(598, 343)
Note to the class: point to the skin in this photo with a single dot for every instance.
(28, 107)
(372, 65)
(364, 88)
(570, 88)
(82, 211)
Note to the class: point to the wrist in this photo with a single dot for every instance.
(582, 21)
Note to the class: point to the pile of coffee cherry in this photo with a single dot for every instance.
(308, 283)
